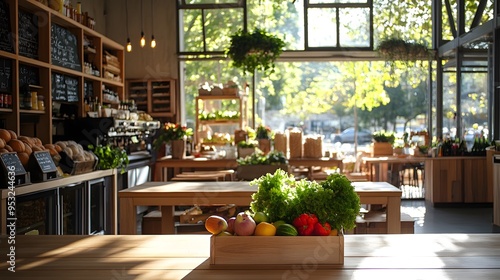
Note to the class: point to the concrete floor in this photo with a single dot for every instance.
(462, 219)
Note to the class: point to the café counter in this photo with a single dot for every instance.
(399, 256)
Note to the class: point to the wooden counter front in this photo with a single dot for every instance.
(457, 180)
(61, 182)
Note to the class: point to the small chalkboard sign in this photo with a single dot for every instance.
(71, 89)
(64, 46)
(13, 172)
(42, 167)
(6, 42)
(28, 75)
(28, 34)
(58, 87)
(5, 75)
(64, 88)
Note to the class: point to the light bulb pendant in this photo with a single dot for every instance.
(129, 45)
(153, 41)
(143, 40)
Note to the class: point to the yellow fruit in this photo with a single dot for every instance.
(265, 229)
(334, 232)
(215, 224)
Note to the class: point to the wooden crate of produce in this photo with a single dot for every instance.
(276, 250)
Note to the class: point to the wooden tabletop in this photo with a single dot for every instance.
(151, 257)
(169, 194)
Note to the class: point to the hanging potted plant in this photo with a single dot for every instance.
(254, 51)
(398, 49)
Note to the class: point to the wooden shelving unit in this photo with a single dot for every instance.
(155, 97)
(204, 102)
(51, 51)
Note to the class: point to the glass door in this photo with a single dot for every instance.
(37, 213)
(72, 204)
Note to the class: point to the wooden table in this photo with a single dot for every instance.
(193, 163)
(378, 166)
(199, 163)
(153, 257)
(170, 194)
(310, 163)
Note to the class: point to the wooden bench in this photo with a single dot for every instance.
(216, 175)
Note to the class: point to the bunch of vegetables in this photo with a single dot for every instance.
(333, 202)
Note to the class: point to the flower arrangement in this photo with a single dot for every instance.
(171, 131)
(263, 132)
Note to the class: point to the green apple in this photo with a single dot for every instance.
(260, 217)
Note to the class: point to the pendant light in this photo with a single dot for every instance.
(143, 39)
(129, 45)
(153, 41)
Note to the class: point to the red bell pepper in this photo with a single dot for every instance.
(305, 224)
(322, 229)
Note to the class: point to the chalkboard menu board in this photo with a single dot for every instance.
(28, 75)
(88, 89)
(12, 163)
(5, 75)
(64, 48)
(64, 88)
(42, 167)
(6, 43)
(28, 34)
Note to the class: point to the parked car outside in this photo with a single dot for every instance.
(347, 136)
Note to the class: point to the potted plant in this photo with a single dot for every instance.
(382, 145)
(246, 148)
(254, 51)
(399, 49)
(264, 136)
(110, 157)
(175, 135)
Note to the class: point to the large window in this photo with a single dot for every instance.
(329, 78)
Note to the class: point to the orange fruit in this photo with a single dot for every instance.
(265, 229)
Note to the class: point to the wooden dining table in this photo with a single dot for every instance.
(169, 257)
(378, 166)
(167, 195)
(163, 164)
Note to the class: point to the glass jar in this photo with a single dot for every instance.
(41, 102)
(34, 100)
